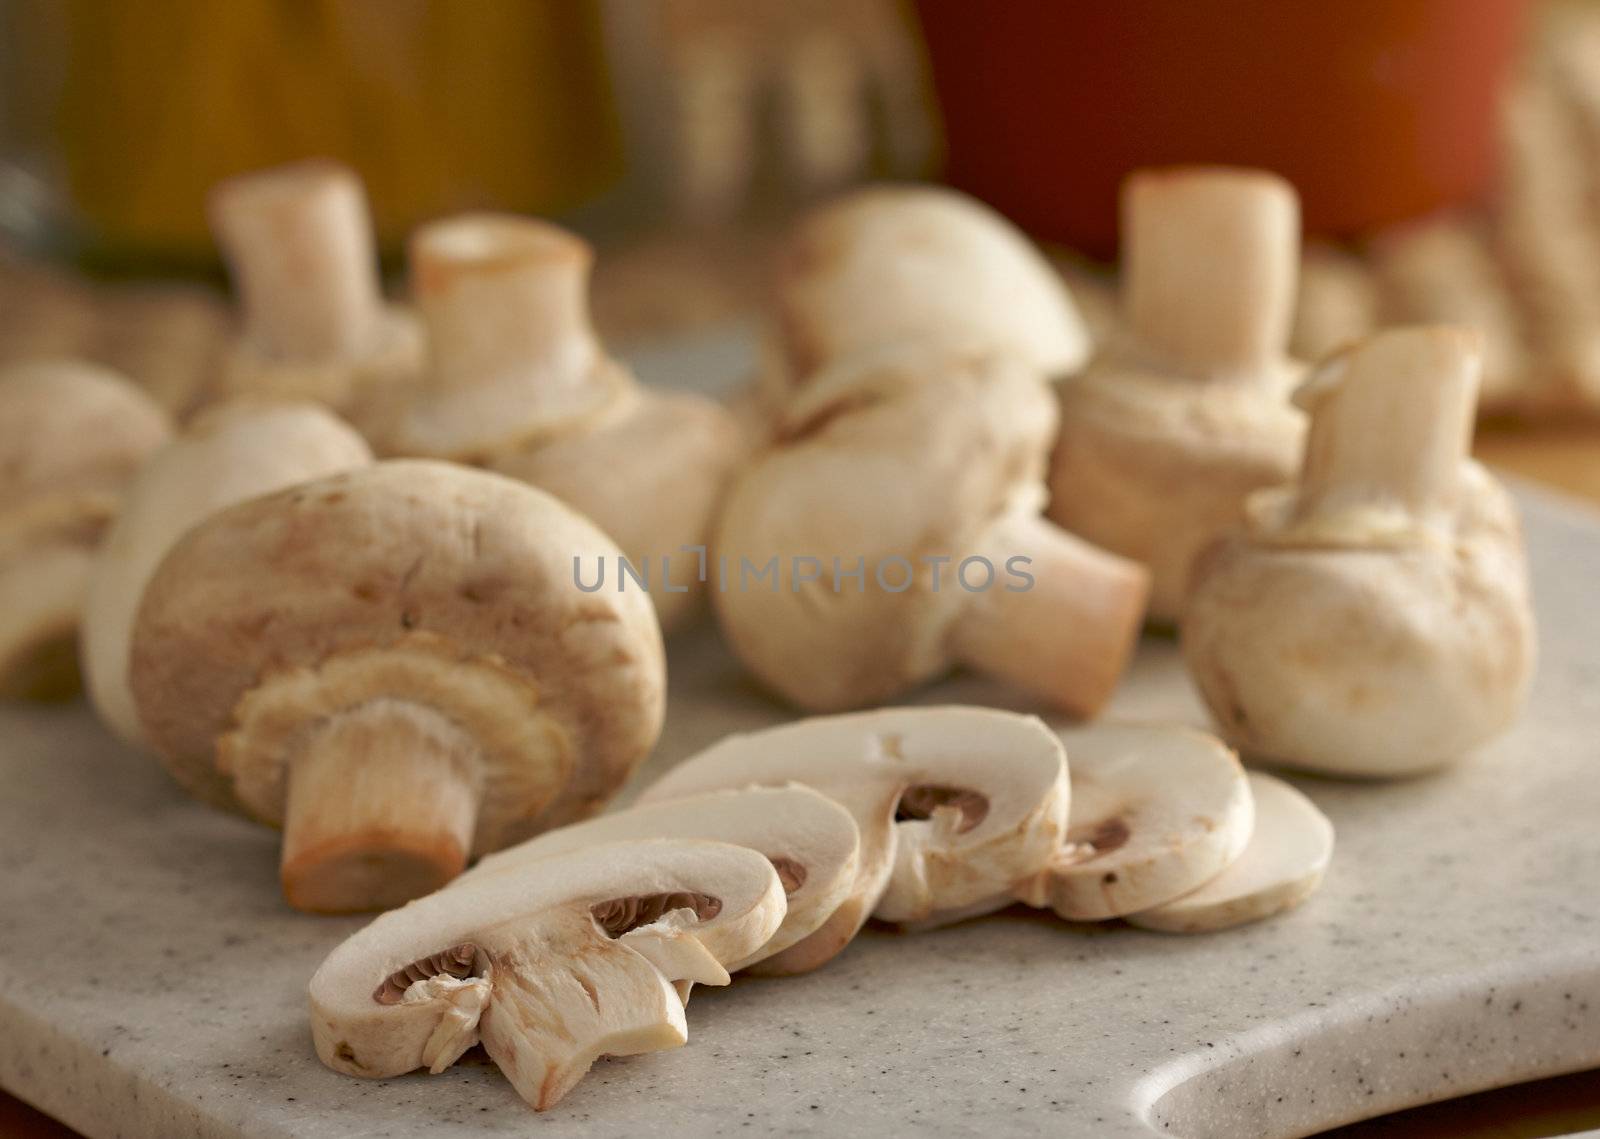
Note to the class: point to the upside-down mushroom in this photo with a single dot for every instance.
(396, 665)
(550, 966)
(231, 452)
(954, 805)
(917, 469)
(71, 436)
(1372, 618)
(810, 840)
(518, 381)
(299, 247)
(1174, 424)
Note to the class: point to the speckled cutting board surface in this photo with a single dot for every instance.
(152, 983)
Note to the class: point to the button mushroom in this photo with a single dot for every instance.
(71, 436)
(1282, 865)
(1373, 617)
(954, 805)
(811, 841)
(1168, 431)
(232, 452)
(908, 264)
(892, 530)
(1156, 812)
(519, 382)
(298, 242)
(395, 665)
(550, 969)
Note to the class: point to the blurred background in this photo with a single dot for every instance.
(1447, 153)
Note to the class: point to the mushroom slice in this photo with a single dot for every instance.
(573, 958)
(1281, 867)
(71, 435)
(231, 452)
(395, 665)
(810, 840)
(1156, 812)
(954, 806)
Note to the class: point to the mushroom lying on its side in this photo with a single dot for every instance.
(397, 666)
(298, 242)
(1373, 617)
(518, 381)
(1281, 866)
(1168, 430)
(232, 452)
(953, 805)
(551, 968)
(1156, 812)
(917, 471)
(810, 840)
(71, 436)
(911, 264)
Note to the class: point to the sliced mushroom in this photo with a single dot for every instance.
(1373, 617)
(1156, 812)
(810, 840)
(551, 968)
(908, 264)
(1282, 865)
(1170, 429)
(298, 242)
(232, 452)
(518, 381)
(71, 436)
(396, 665)
(917, 469)
(954, 805)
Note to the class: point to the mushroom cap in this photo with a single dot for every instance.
(1154, 466)
(889, 264)
(1282, 865)
(553, 967)
(954, 804)
(1156, 812)
(904, 453)
(71, 433)
(652, 476)
(410, 580)
(231, 452)
(811, 840)
(1382, 660)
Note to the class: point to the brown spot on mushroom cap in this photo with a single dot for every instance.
(921, 801)
(618, 916)
(459, 961)
(790, 872)
(1101, 837)
(265, 588)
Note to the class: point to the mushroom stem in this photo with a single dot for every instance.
(1060, 618)
(503, 298)
(381, 809)
(298, 241)
(1391, 424)
(1210, 258)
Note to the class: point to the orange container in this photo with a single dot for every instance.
(1377, 110)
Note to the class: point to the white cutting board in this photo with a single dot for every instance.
(152, 981)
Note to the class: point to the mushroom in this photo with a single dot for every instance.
(298, 242)
(1170, 428)
(518, 381)
(71, 435)
(395, 664)
(1156, 812)
(1372, 618)
(909, 264)
(1282, 865)
(550, 968)
(953, 805)
(810, 840)
(898, 513)
(231, 452)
